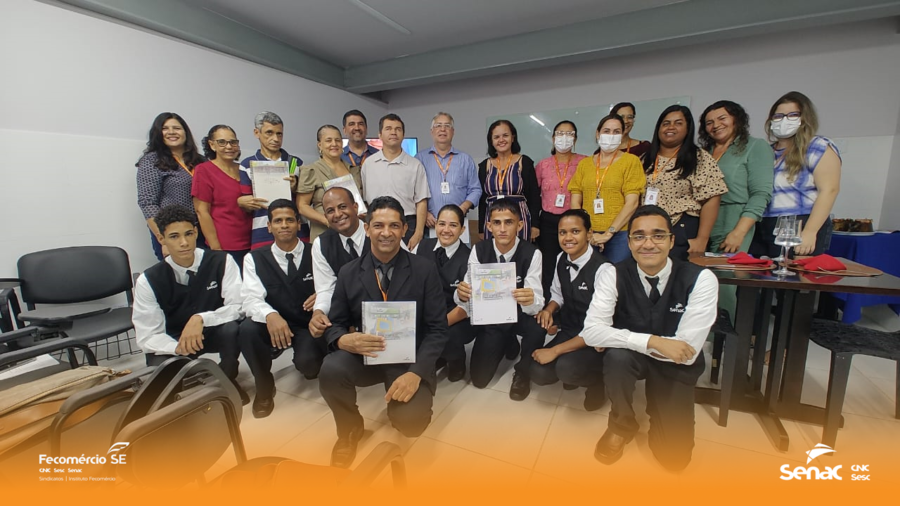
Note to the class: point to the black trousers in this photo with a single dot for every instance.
(221, 339)
(411, 221)
(670, 402)
(764, 240)
(342, 372)
(686, 228)
(490, 345)
(583, 367)
(458, 336)
(548, 242)
(256, 345)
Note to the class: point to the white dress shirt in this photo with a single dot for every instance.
(402, 178)
(556, 287)
(150, 321)
(253, 293)
(325, 278)
(699, 314)
(532, 278)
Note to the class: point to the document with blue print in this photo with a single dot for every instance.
(270, 180)
(396, 322)
(492, 294)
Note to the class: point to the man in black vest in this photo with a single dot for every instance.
(652, 314)
(567, 357)
(278, 296)
(505, 220)
(385, 273)
(190, 303)
(344, 241)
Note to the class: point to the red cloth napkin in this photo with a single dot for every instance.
(742, 258)
(823, 262)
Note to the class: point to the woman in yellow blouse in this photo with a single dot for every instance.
(311, 184)
(608, 186)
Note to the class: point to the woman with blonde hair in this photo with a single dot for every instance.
(807, 177)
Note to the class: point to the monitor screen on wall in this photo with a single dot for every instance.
(409, 144)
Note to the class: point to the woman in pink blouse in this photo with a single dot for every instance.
(553, 176)
(216, 189)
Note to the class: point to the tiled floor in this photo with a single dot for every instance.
(480, 435)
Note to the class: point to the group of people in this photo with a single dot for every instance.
(605, 293)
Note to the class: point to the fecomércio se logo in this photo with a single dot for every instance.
(821, 473)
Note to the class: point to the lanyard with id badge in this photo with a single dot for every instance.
(445, 186)
(598, 201)
(651, 198)
(561, 195)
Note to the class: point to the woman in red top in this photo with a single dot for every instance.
(637, 148)
(216, 189)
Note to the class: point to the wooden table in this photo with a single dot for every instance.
(756, 291)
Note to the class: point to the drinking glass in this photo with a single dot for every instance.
(778, 223)
(788, 237)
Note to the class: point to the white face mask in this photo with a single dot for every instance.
(609, 142)
(785, 128)
(563, 144)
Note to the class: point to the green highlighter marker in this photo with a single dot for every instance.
(293, 167)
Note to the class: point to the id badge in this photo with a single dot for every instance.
(598, 206)
(445, 188)
(560, 200)
(652, 197)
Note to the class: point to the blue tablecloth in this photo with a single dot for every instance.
(881, 251)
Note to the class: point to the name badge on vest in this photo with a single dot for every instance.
(598, 206)
(445, 188)
(652, 197)
(560, 200)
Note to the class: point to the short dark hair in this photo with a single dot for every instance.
(341, 188)
(282, 204)
(741, 125)
(453, 208)
(393, 117)
(561, 123)
(385, 202)
(651, 211)
(515, 149)
(622, 105)
(504, 205)
(208, 151)
(353, 112)
(173, 214)
(577, 213)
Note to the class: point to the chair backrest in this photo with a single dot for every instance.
(76, 274)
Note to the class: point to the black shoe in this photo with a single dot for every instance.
(610, 447)
(521, 387)
(440, 364)
(262, 407)
(594, 397)
(569, 386)
(512, 349)
(456, 370)
(344, 451)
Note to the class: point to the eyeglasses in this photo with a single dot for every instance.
(222, 143)
(656, 238)
(441, 126)
(791, 115)
(571, 135)
(627, 116)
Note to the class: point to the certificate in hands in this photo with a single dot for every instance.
(492, 294)
(269, 180)
(348, 183)
(396, 322)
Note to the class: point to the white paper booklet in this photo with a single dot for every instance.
(396, 322)
(492, 298)
(269, 180)
(348, 183)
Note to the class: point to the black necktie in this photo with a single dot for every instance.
(292, 269)
(571, 265)
(442, 257)
(654, 288)
(502, 259)
(191, 277)
(385, 270)
(352, 248)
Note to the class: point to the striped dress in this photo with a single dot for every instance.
(518, 184)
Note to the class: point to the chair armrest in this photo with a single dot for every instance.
(370, 468)
(14, 357)
(8, 320)
(15, 335)
(10, 282)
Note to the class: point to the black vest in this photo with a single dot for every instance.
(332, 245)
(635, 312)
(485, 253)
(578, 292)
(179, 302)
(452, 272)
(286, 295)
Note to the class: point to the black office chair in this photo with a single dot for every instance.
(77, 275)
(844, 341)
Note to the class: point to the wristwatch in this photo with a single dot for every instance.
(611, 230)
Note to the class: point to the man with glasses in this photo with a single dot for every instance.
(652, 315)
(452, 175)
(269, 129)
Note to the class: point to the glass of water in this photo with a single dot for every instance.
(788, 236)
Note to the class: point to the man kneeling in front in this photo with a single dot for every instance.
(190, 303)
(652, 314)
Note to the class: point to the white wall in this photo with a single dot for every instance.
(890, 213)
(850, 72)
(78, 97)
